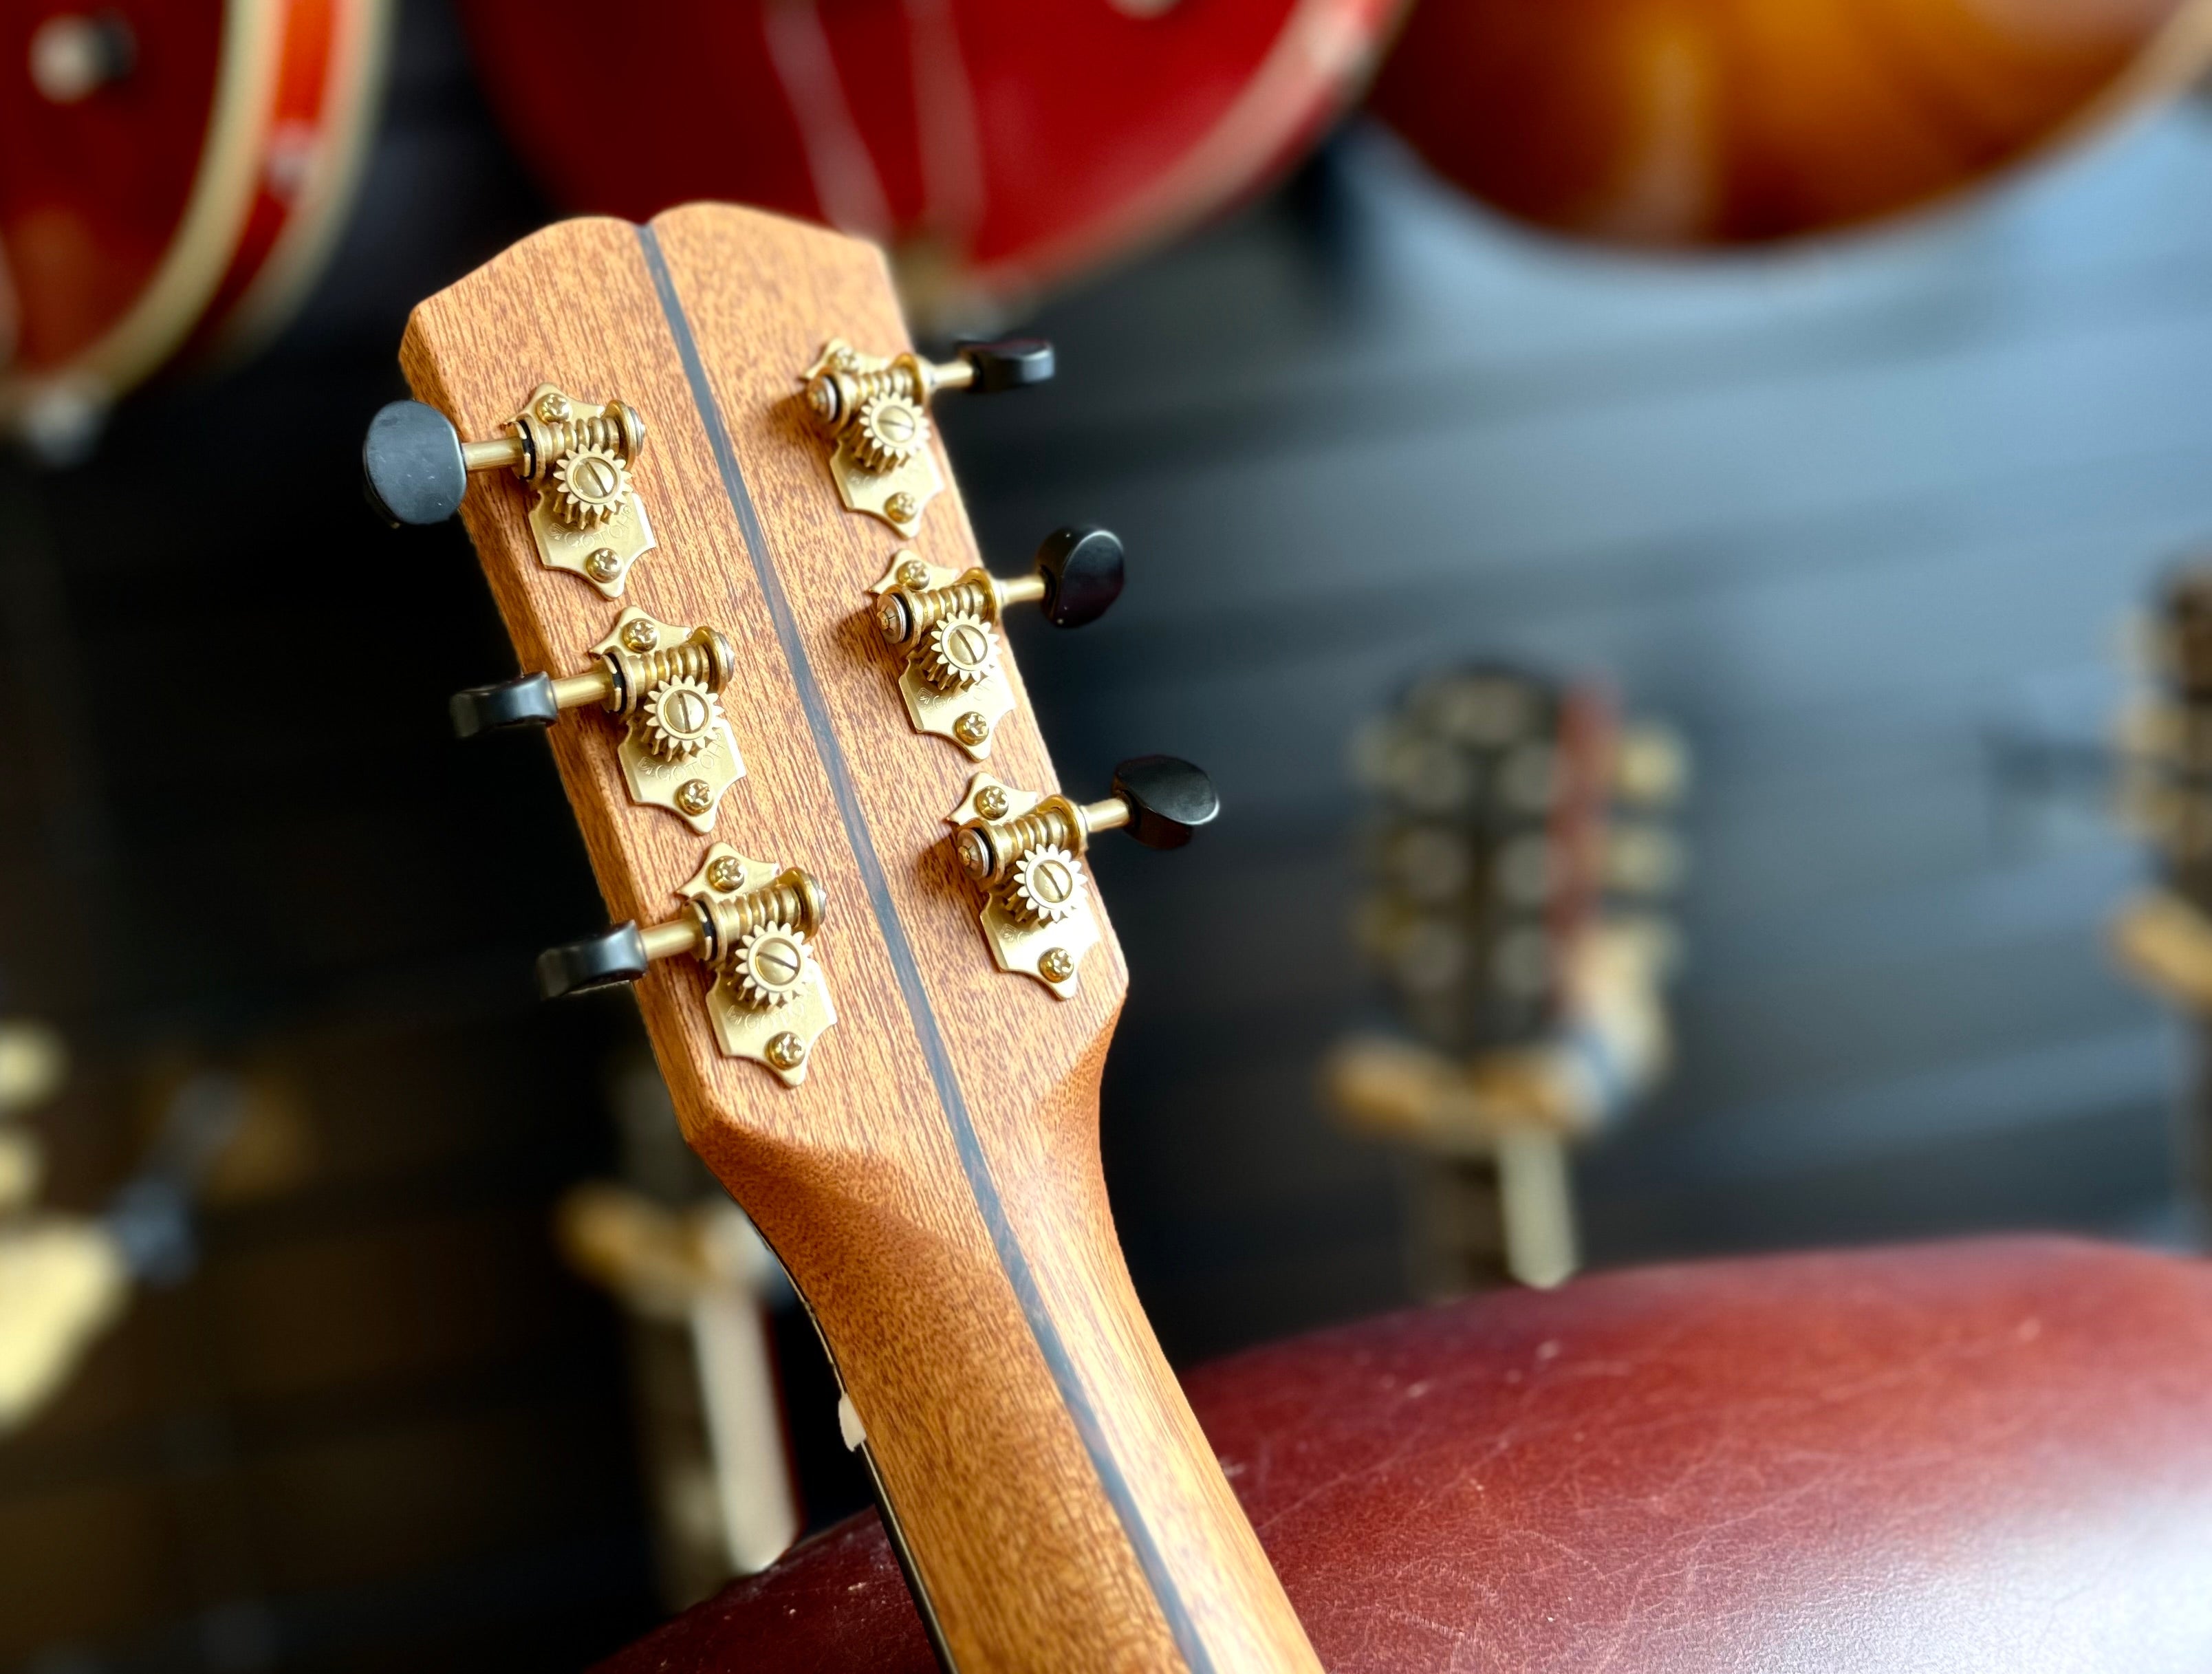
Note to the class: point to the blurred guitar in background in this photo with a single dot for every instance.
(995, 146)
(172, 177)
(1510, 917)
(2164, 935)
(1680, 124)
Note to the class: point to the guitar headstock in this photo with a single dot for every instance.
(697, 464)
(1515, 817)
(848, 890)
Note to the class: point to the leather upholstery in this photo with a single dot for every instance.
(1993, 1455)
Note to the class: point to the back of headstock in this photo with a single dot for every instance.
(850, 894)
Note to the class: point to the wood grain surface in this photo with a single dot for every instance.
(934, 1187)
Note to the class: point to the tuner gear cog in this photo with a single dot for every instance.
(888, 431)
(769, 967)
(959, 652)
(1047, 886)
(589, 487)
(677, 718)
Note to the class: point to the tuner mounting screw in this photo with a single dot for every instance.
(991, 802)
(605, 565)
(640, 636)
(695, 797)
(1055, 965)
(903, 507)
(726, 874)
(971, 728)
(786, 1051)
(914, 574)
(553, 407)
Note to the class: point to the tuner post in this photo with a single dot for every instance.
(1026, 850)
(665, 680)
(874, 410)
(945, 625)
(753, 926)
(586, 518)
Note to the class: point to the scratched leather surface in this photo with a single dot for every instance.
(1994, 1455)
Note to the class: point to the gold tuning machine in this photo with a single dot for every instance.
(678, 752)
(945, 624)
(587, 517)
(1026, 851)
(875, 413)
(753, 924)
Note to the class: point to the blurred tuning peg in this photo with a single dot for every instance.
(1025, 850)
(1644, 860)
(1650, 765)
(752, 926)
(947, 625)
(665, 679)
(875, 411)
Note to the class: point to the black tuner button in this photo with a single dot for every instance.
(1011, 363)
(1168, 799)
(596, 961)
(411, 469)
(524, 703)
(1083, 574)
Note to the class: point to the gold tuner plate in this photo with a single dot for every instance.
(679, 753)
(875, 414)
(1037, 914)
(588, 518)
(769, 1001)
(952, 673)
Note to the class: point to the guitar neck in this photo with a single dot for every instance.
(932, 1183)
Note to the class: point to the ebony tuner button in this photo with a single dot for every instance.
(1168, 799)
(411, 468)
(529, 702)
(1082, 567)
(598, 962)
(1010, 363)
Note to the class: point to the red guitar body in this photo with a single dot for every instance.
(172, 198)
(994, 146)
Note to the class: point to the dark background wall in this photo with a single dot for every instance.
(1862, 521)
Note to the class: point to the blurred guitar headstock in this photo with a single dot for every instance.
(1518, 869)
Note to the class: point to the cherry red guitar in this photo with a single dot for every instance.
(171, 176)
(994, 146)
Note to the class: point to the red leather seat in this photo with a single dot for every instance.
(1993, 1455)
